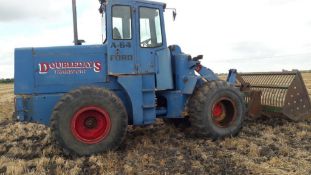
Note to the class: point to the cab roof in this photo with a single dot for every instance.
(139, 1)
(151, 2)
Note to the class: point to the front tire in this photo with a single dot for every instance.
(216, 110)
(88, 121)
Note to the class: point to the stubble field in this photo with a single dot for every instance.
(264, 146)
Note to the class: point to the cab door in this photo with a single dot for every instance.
(121, 56)
(149, 40)
(153, 56)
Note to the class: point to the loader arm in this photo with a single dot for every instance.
(205, 72)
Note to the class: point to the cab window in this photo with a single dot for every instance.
(121, 23)
(150, 27)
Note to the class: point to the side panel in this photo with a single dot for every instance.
(60, 69)
(63, 66)
(23, 72)
(132, 85)
(185, 78)
(42, 107)
(23, 106)
(140, 89)
(164, 70)
(37, 108)
(190, 84)
(176, 101)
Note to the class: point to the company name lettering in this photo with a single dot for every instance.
(70, 67)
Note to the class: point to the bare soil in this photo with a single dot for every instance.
(264, 146)
(6, 100)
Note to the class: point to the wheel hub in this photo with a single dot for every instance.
(218, 112)
(90, 122)
(91, 125)
(223, 112)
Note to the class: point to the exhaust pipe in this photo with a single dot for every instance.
(75, 24)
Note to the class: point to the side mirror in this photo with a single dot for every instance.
(174, 15)
(102, 7)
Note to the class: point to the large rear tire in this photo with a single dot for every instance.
(89, 120)
(216, 110)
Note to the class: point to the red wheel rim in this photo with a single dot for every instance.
(91, 124)
(218, 110)
(224, 112)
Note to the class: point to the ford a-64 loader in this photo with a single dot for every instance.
(89, 94)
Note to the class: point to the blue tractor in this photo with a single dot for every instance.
(89, 94)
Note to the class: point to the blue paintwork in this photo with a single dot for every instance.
(29, 80)
(185, 78)
(115, 66)
(49, 101)
(231, 79)
(208, 74)
(176, 102)
(23, 72)
(164, 70)
(151, 82)
(141, 92)
(20, 112)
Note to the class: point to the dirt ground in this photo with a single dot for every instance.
(264, 146)
(307, 79)
(6, 100)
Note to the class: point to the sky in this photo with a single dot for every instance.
(249, 35)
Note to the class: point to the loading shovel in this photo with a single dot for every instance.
(275, 94)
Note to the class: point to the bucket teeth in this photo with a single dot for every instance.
(275, 93)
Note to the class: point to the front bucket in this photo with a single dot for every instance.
(275, 93)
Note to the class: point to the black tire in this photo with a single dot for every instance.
(65, 126)
(204, 107)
